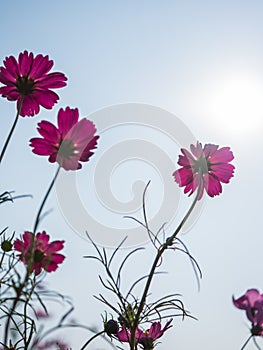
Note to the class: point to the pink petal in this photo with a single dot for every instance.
(25, 61)
(58, 258)
(43, 237)
(6, 77)
(30, 106)
(82, 132)
(55, 246)
(19, 245)
(123, 334)
(10, 92)
(49, 132)
(155, 330)
(212, 185)
(53, 157)
(196, 150)
(186, 159)
(45, 98)
(87, 153)
(193, 185)
(223, 155)
(223, 172)
(12, 66)
(67, 119)
(210, 149)
(41, 66)
(28, 238)
(183, 176)
(52, 81)
(41, 147)
(71, 164)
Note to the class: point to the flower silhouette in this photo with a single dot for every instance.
(204, 168)
(28, 81)
(68, 144)
(37, 253)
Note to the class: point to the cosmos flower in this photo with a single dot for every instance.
(52, 345)
(37, 253)
(206, 167)
(68, 144)
(28, 81)
(252, 303)
(145, 338)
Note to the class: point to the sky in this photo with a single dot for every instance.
(153, 76)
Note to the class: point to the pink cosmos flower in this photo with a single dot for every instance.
(68, 144)
(42, 314)
(206, 167)
(28, 80)
(252, 303)
(52, 344)
(37, 253)
(145, 338)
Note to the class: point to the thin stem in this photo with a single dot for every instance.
(246, 342)
(91, 339)
(160, 251)
(12, 129)
(16, 300)
(44, 200)
(2, 259)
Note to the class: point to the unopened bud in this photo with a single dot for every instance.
(111, 327)
(6, 246)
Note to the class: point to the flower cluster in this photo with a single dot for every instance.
(28, 81)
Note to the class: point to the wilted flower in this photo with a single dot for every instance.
(28, 81)
(205, 167)
(145, 338)
(252, 303)
(37, 253)
(68, 144)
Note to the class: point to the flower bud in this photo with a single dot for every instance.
(111, 327)
(6, 246)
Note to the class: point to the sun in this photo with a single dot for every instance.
(236, 105)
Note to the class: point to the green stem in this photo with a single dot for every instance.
(12, 129)
(44, 200)
(15, 302)
(246, 342)
(2, 259)
(160, 251)
(91, 339)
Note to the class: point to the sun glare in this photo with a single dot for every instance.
(236, 105)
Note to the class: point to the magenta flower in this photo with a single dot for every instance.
(28, 81)
(52, 344)
(252, 303)
(145, 338)
(204, 168)
(37, 253)
(68, 144)
(42, 314)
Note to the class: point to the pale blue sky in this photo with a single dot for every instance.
(199, 60)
